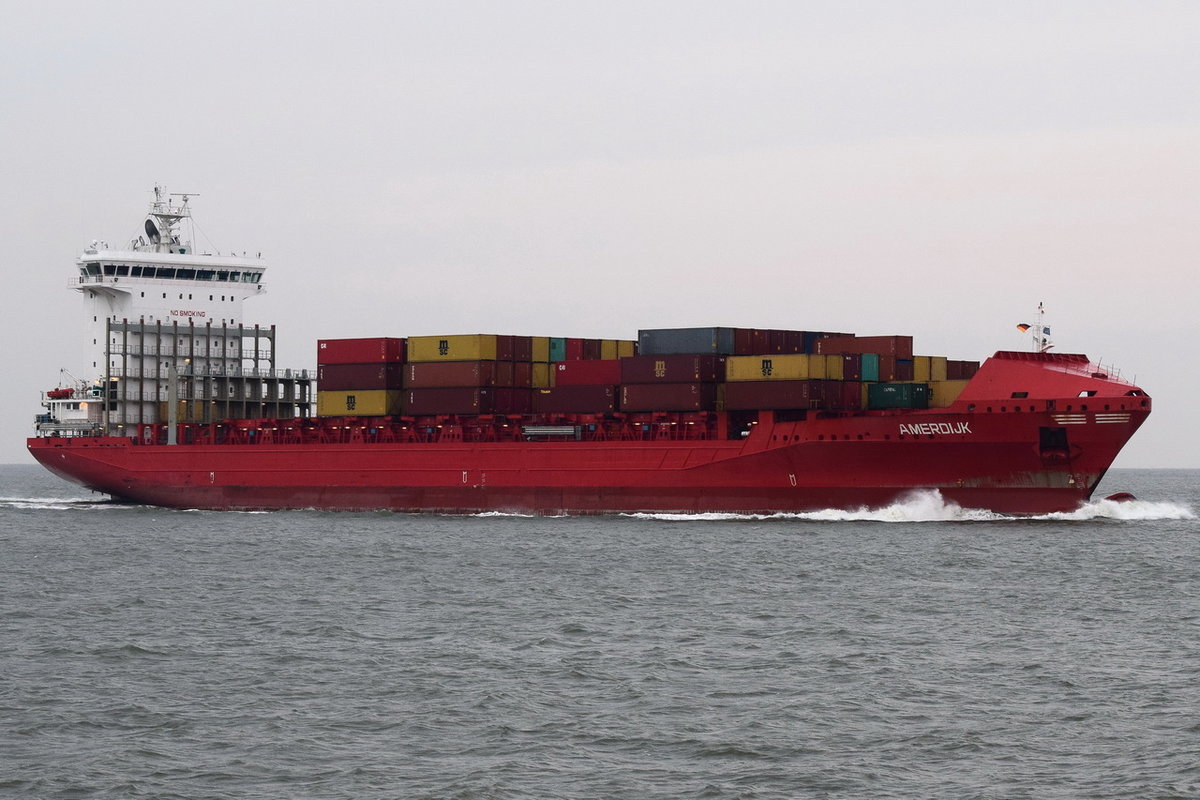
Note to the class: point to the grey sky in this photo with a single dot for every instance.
(586, 169)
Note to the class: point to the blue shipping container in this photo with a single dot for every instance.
(681, 341)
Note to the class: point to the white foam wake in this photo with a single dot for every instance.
(930, 506)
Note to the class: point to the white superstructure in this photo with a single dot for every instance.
(158, 308)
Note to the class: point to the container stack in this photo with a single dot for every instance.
(359, 377)
(585, 374)
(665, 370)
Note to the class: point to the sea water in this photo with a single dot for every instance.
(920, 651)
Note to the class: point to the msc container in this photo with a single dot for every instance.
(777, 395)
(942, 394)
(898, 395)
(587, 373)
(541, 350)
(575, 400)
(384, 375)
(897, 346)
(673, 369)
(448, 374)
(672, 341)
(796, 367)
(359, 403)
(671, 396)
(558, 349)
(466, 347)
(359, 351)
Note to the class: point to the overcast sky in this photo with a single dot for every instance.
(588, 169)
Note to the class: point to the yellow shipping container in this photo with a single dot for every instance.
(541, 349)
(835, 367)
(929, 368)
(625, 348)
(542, 376)
(942, 394)
(359, 403)
(793, 367)
(466, 347)
(608, 349)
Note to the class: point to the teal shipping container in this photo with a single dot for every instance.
(897, 395)
(558, 348)
(870, 366)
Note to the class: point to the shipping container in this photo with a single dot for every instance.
(506, 347)
(359, 403)
(383, 375)
(591, 349)
(466, 347)
(558, 349)
(682, 341)
(574, 349)
(796, 367)
(869, 364)
(942, 394)
(905, 370)
(779, 395)
(542, 375)
(833, 367)
(852, 367)
(360, 351)
(961, 370)
(897, 346)
(459, 400)
(575, 400)
(671, 396)
(626, 348)
(541, 350)
(608, 349)
(929, 368)
(522, 348)
(522, 374)
(587, 373)
(898, 395)
(450, 374)
(673, 369)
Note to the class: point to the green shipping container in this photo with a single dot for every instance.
(558, 349)
(870, 366)
(897, 395)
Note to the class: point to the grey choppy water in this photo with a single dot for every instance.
(151, 653)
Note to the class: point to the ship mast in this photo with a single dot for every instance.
(1041, 332)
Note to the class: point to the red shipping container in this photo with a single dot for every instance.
(897, 346)
(512, 401)
(504, 348)
(456, 400)
(669, 397)
(905, 369)
(343, 377)
(760, 342)
(575, 400)
(591, 349)
(522, 349)
(887, 369)
(673, 369)
(522, 374)
(447, 374)
(852, 396)
(775, 395)
(852, 367)
(574, 349)
(360, 351)
(587, 373)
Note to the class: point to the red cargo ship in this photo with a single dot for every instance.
(704, 420)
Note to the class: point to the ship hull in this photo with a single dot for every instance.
(991, 461)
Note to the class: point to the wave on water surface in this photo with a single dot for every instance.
(56, 503)
(930, 506)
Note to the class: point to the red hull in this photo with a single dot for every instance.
(1041, 453)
